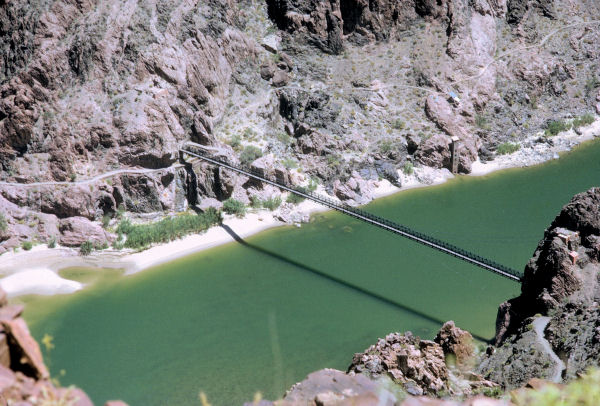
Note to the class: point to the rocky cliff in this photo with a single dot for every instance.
(561, 282)
(97, 97)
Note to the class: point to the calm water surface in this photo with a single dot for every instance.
(259, 316)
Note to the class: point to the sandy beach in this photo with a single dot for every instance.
(36, 271)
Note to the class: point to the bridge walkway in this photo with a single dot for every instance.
(377, 221)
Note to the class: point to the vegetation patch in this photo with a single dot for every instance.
(86, 248)
(408, 168)
(507, 148)
(250, 154)
(27, 245)
(168, 229)
(555, 127)
(294, 198)
(3, 223)
(233, 206)
(271, 203)
(584, 120)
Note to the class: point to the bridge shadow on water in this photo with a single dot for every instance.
(346, 284)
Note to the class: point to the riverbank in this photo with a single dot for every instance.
(39, 267)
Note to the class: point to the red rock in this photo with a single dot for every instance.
(7, 378)
(31, 361)
(457, 342)
(4, 351)
(11, 312)
(3, 298)
(115, 403)
(77, 230)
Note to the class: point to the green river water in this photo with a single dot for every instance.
(259, 316)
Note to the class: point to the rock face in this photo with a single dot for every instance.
(418, 364)
(457, 343)
(77, 100)
(423, 366)
(563, 267)
(24, 378)
(560, 281)
(89, 89)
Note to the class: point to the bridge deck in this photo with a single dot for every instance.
(376, 221)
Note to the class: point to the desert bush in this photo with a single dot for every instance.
(272, 203)
(233, 206)
(555, 127)
(3, 222)
(52, 242)
(86, 248)
(26, 245)
(408, 168)
(583, 120)
(250, 154)
(507, 148)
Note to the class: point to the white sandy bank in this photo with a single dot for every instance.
(40, 281)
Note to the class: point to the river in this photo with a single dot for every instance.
(260, 315)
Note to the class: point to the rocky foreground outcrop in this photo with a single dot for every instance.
(561, 281)
(24, 378)
(399, 370)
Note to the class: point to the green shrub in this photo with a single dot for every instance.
(290, 163)
(272, 203)
(408, 168)
(236, 141)
(165, 230)
(584, 120)
(86, 248)
(250, 154)
(106, 220)
(398, 124)
(294, 198)
(482, 122)
(386, 146)
(52, 242)
(284, 138)
(26, 245)
(555, 127)
(121, 210)
(507, 148)
(233, 206)
(3, 222)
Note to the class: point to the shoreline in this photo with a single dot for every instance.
(36, 271)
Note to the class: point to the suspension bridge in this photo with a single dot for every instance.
(369, 218)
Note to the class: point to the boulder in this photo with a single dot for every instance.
(434, 152)
(77, 230)
(457, 343)
(280, 78)
(28, 355)
(354, 191)
(329, 387)
(416, 364)
(267, 71)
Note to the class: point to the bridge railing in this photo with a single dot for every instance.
(373, 219)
